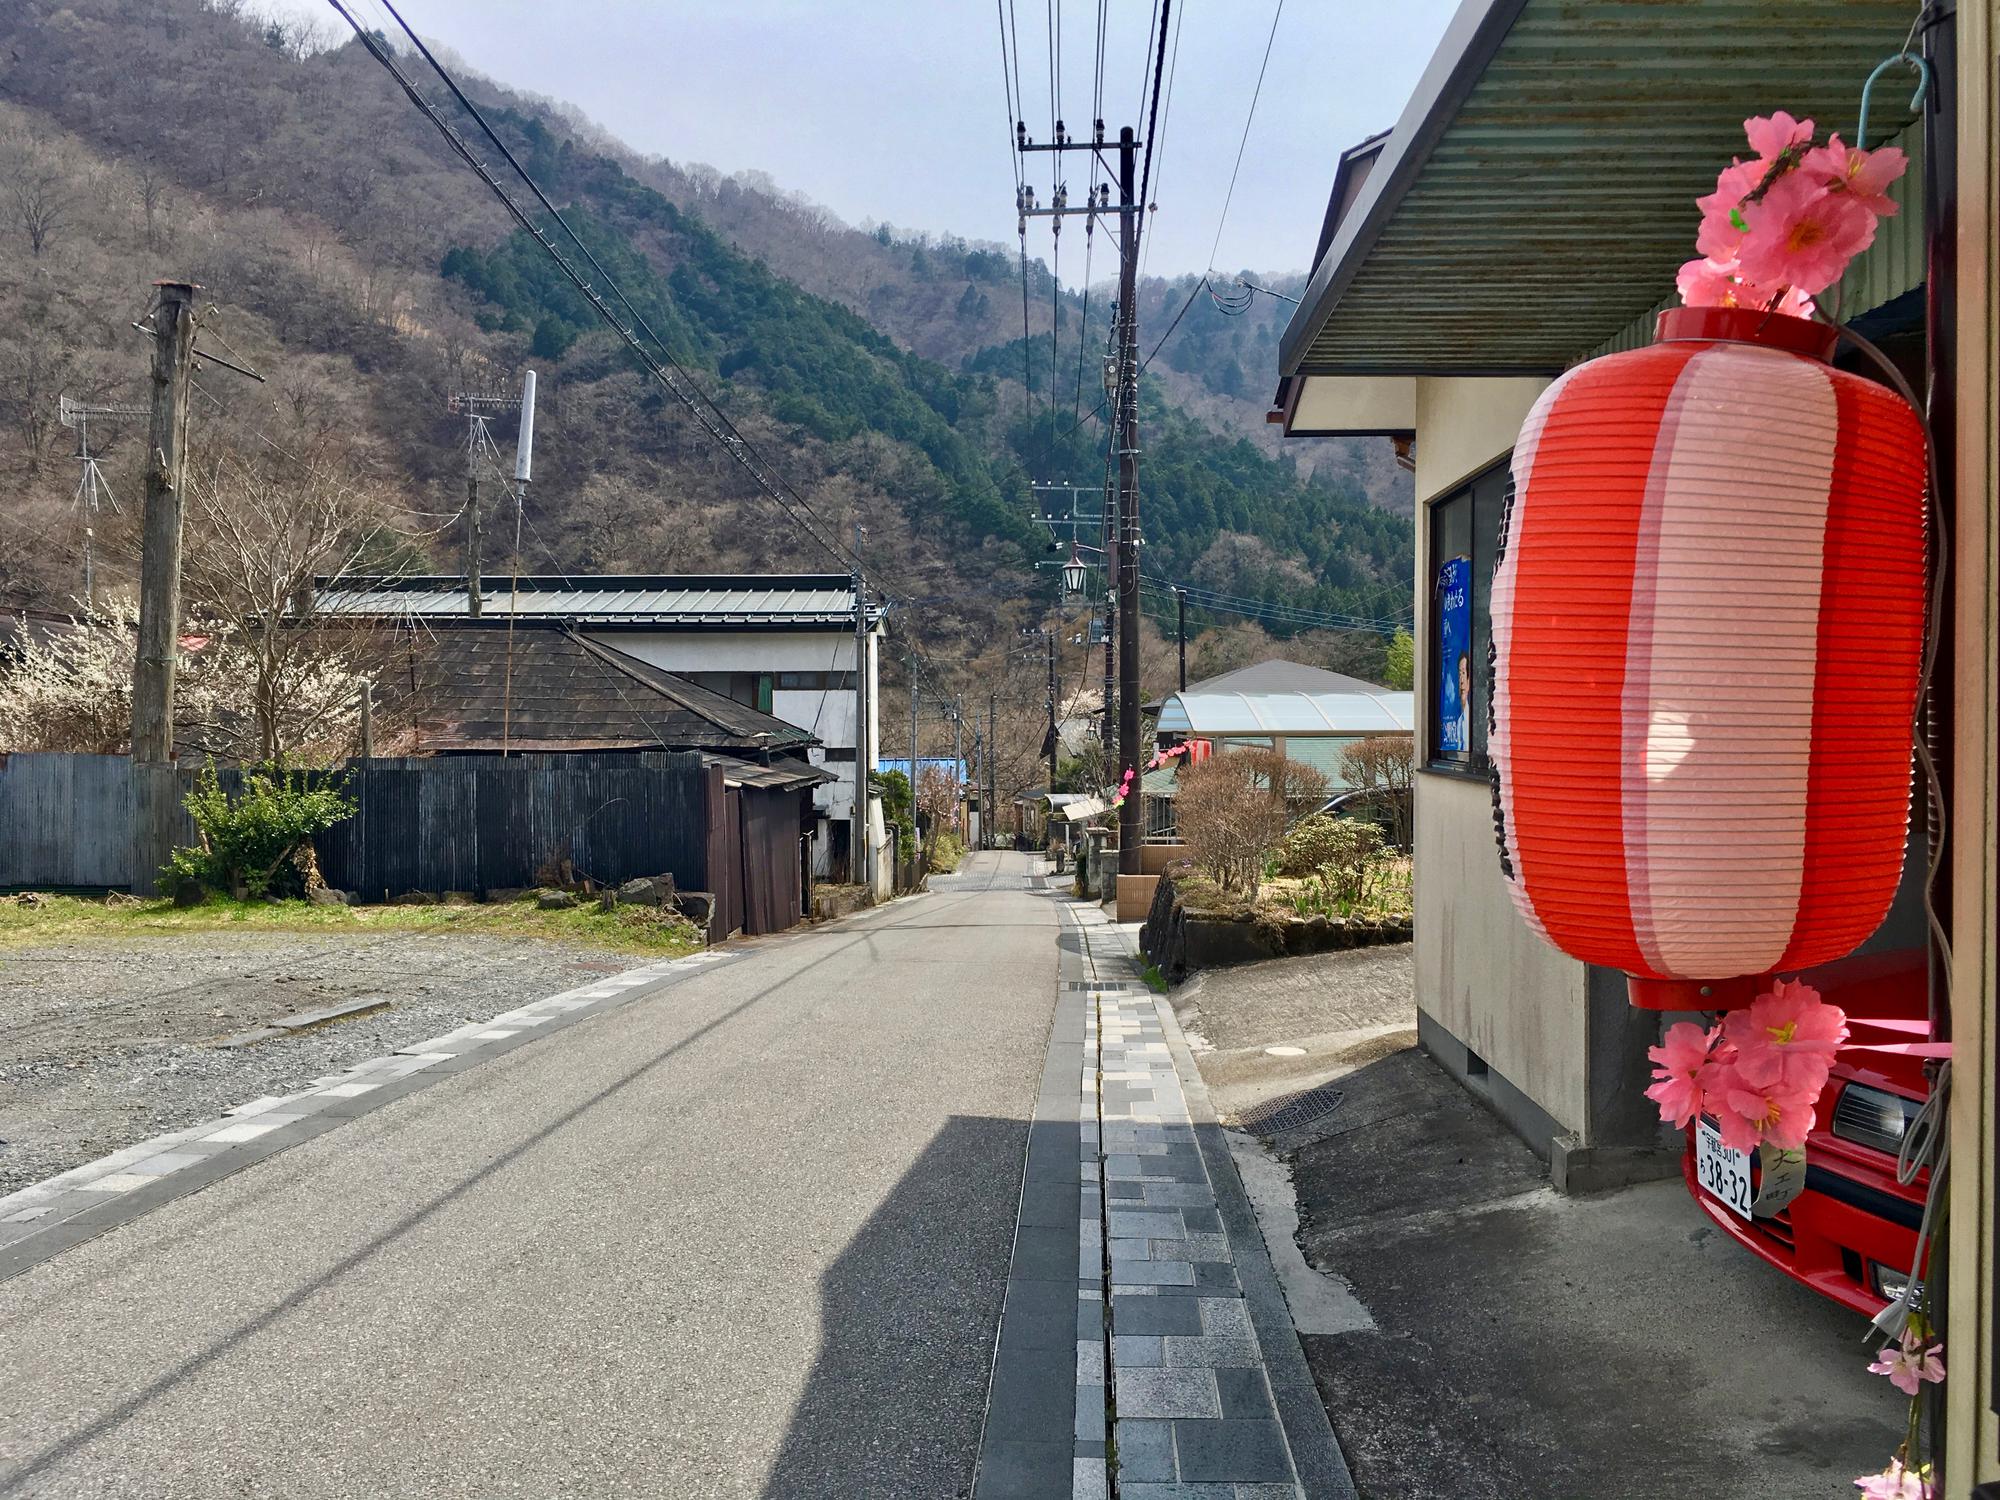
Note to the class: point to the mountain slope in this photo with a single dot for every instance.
(352, 258)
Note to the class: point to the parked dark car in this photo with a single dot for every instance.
(1851, 1234)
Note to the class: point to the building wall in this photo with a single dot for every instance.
(1972, 1443)
(827, 714)
(1502, 992)
(1497, 1006)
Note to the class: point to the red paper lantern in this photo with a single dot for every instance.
(1707, 622)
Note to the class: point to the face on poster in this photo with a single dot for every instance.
(1454, 678)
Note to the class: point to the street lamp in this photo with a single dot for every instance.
(1073, 573)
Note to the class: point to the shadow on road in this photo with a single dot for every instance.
(908, 1316)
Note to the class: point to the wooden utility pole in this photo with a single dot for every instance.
(917, 826)
(992, 761)
(155, 784)
(1180, 609)
(1131, 814)
(858, 850)
(160, 547)
(474, 563)
(1054, 745)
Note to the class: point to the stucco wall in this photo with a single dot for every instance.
(1480, 974)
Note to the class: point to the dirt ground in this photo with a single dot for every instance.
(105, 1041)
(1610, 1347)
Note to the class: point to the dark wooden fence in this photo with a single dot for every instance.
(486, 822)
(473, 823)
(466, 823)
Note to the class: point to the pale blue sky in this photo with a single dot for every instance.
(893, 109)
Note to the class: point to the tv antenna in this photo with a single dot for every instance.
(93, 490)
(479, 410)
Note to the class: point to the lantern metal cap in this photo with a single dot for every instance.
(1748, 325)
(1696, 994)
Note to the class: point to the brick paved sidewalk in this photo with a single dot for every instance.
(1176, 1391)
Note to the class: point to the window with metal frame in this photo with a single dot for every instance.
(1464, 545)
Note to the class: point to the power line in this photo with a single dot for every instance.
(1255, 94)
(671, 375)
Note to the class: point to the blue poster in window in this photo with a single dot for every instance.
(1454, 665)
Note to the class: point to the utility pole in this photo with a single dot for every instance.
(919, 827)
(992, 762)
(474, 563)
(367, 720)
(1180, 609)
(1125, 439)
(858, 855)
(1109, 723)
(1054, 747)
(155, 784)
(1131, 814)
(160, 549)
(958, 758)
(975, 823)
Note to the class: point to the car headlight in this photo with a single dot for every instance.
(1873, 1117)
(1889, 1282)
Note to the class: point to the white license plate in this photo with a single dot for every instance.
(1722, 1171)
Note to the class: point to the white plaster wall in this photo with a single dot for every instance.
(736, 650)
(1480, 973)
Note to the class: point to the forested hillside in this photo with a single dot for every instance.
(353, 261)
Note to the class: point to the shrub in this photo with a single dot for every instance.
(250, 843)
(1352, 850)
(1232, 810)
(944, 851)
(1313, 841)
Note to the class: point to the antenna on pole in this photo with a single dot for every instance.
(524, 444)
(478, 410)
(91, 482)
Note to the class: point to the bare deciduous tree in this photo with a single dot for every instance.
(41, 194)
(1233, 809)
(1384, 763)
(260, 533)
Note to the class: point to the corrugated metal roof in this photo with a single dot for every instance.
(1537, 194)
(665, 600)
(780, 775)
(1890, 268)
(1288, 713)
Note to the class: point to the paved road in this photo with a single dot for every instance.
(745, 1238)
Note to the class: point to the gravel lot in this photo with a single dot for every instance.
(106, 1041)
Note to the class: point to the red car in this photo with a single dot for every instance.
(1852, 1232)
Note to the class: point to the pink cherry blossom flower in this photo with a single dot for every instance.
(1796, 303)
(1722, 224)
(1803, 234)
(1910, 1362)
(1770, 136)
(1787, 1038)
(1747, 1114)
(1682, 1058)
(1895, 1483)
(1864, 174)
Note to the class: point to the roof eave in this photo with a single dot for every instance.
(1469, 44)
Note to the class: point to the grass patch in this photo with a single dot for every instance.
(1155, 980)
(626, 929)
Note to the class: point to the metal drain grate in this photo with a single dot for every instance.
(1291, 1111)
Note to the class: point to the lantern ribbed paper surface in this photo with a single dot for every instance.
(1707, 621)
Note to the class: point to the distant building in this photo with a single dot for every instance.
(1309, 714)
(783, 644)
